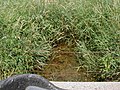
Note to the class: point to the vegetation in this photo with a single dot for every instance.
(29, 29)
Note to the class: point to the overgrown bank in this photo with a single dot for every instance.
(30, 28)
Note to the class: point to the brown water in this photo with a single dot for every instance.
(63, 66)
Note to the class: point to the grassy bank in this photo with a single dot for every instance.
(29, 29)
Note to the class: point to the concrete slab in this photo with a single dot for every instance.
(88, 85)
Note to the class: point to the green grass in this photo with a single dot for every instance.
(30, 28)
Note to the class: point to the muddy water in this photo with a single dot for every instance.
(63, 66)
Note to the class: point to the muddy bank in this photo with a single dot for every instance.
(63, 66)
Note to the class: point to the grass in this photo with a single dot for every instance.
(30, 28)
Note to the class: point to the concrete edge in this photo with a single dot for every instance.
(88, 85)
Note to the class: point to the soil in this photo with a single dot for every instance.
(63, 66)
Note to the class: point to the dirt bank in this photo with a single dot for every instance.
(63, 65)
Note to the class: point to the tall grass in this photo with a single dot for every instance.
(99, 37)
(23, 37)
(30, 28)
